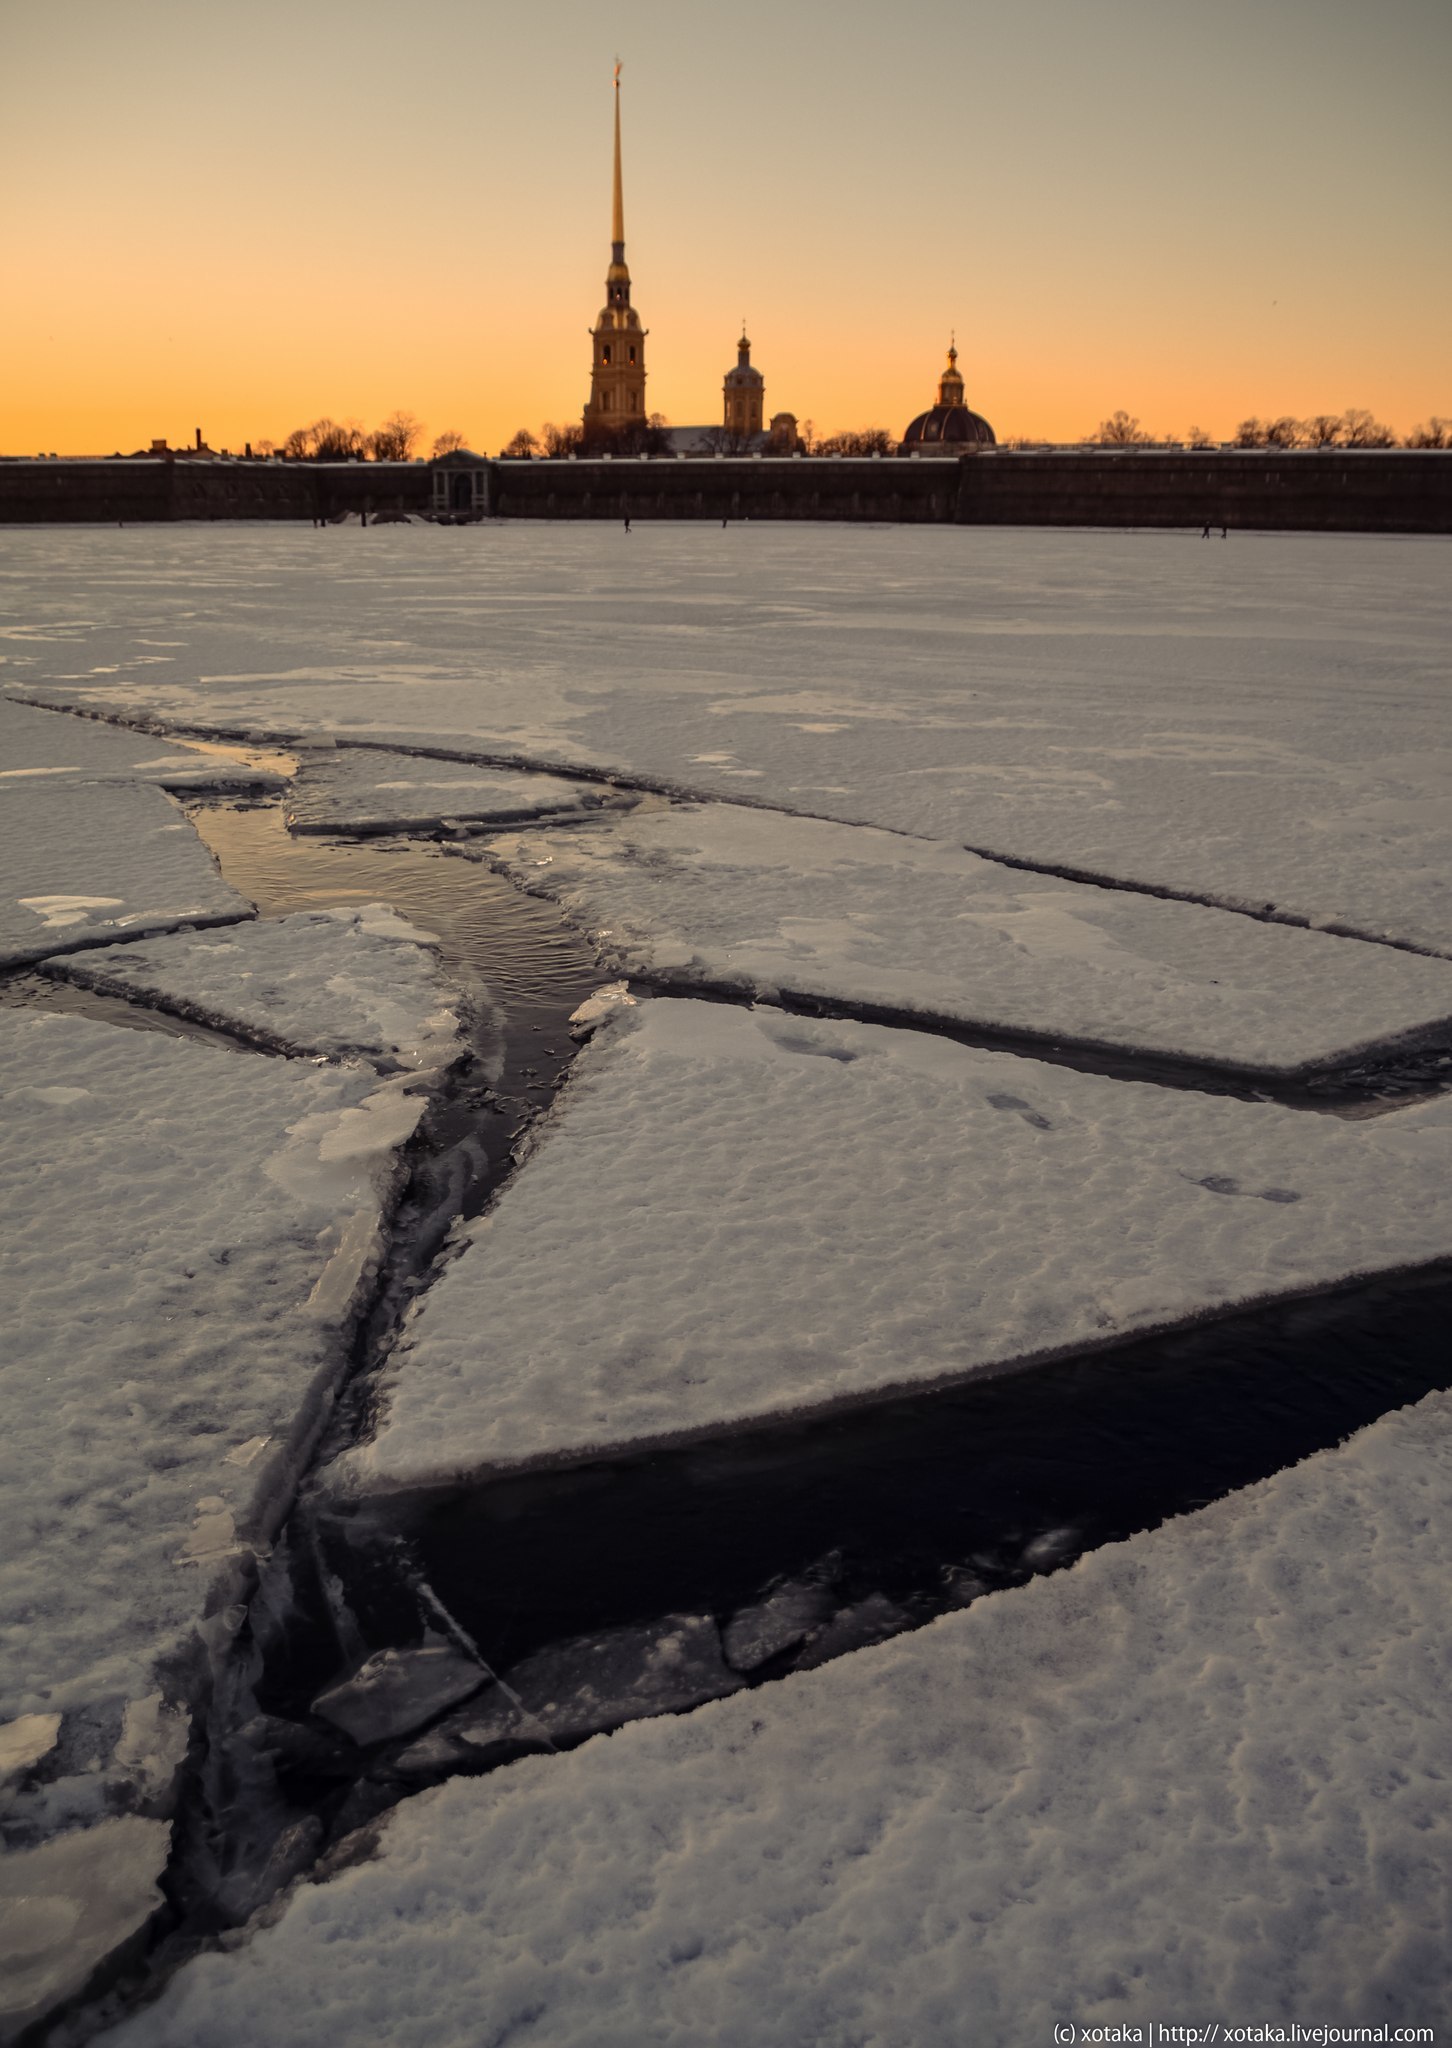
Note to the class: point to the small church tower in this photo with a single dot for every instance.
(617, 372)
(744, 392)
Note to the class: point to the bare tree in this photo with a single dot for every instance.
(264, 449)
(1250, 433)
(657, 422)
(856, 441)
(1323, 429)
(1285, 433)
(1433, 433)
(334, 441)
(559, 441)
(723, 441)
(1197, 437)
(631, 437)
(1362, 431)
(396, 439)
(1121, 431)
(523, 443)
(299, 444)
(447, 442)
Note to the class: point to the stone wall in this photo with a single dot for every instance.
(1370, 491)
(728, 487)
(1391, 490)
(154, 488)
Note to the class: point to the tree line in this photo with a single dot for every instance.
(401, 435)
(1354, 428)
(647, 437)
(329, 440)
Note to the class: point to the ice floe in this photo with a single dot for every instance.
(757, 901)
(579, 1688)
(70, 1904)
(86, 862)
(1259, 724)
(50, 746)
(731, 1215)
(1201, 1772)
(395, 1691)
(363, 789)
(341, 982)
(189, 1232)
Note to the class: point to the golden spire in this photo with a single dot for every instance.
(617, 221)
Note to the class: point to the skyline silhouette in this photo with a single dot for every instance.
(1138, 206)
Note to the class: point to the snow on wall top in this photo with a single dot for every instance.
(763, 902)
(735, 1215)
(85, 862)
(186, 1230)
(1259, 722)
(339, 982)
(364, 789)
(1201, 1773)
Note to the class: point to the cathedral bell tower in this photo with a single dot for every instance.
(744, 394)
(617, 372)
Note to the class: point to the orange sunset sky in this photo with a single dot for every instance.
(241, 216)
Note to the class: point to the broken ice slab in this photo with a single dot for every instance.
(756, 1634)
(989, 1815)
(68, 1905)
(1268, 729)
(366, 790)
(24, 1741)
(87, 862)
(43, 746)
(396, 1691)
(583, 1687)
(871, 1620)
(747, 900)
(340, 982)
(731, 1216)
(190, 1235)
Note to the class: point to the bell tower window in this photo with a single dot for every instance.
(605, 353)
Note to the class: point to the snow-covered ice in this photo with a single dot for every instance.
(47, 746)
(753, 900)
(69, 1904)
(25, 1741)
(362, 789)
(731, 1215)
(189, 1232)
(1202, 1773)
(1256, 723)
(1206, 1764)
(85, 862)
(340, 982)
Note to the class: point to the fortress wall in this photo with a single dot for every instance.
(1378, 490)
(148, 489)
(1371, 491)
(35, 493)
(729, 487)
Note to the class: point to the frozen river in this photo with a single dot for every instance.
(1014, 1133)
